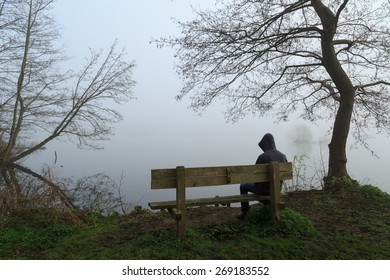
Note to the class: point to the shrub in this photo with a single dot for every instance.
(292, 223)
(39, 217)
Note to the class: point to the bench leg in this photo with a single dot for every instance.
(275, 192)
(181, 226)
(181, 200)
(180, 217)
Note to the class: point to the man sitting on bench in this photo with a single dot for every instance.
(267, 144)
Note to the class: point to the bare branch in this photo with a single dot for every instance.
(373, 84)
(340, 9)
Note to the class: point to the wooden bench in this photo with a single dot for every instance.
(180, 178)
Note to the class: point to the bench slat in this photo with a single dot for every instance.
(209, 201)
(214, 176)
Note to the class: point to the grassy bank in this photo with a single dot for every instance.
(353, 223)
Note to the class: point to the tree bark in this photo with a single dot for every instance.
(337, 147)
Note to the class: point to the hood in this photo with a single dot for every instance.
(267, 143)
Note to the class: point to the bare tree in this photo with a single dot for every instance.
(39, 103)
(329, 59)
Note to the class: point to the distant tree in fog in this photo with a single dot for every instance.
(329, 59)
(40, 103)
(302, 134)
(301, 137)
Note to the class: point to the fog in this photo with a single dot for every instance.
(159, 132)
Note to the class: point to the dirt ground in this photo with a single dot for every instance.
(196, 217)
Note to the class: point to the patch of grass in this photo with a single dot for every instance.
(370, 192)
(222, 232)
(31, 242)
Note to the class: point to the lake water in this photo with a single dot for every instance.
(135, 153)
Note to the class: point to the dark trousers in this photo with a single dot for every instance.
(246, 188)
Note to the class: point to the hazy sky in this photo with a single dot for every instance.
(158, 131)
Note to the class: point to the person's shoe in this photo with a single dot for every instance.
(242, 216)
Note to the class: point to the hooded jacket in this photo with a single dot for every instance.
(267, 144)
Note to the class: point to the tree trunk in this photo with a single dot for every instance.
(337, 147)
(337, 168)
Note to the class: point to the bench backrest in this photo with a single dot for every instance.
(214, 176)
